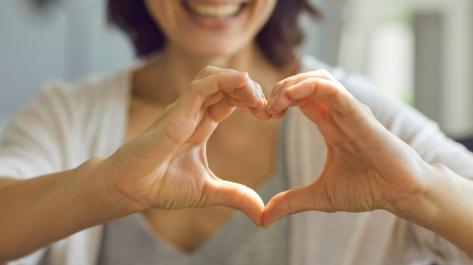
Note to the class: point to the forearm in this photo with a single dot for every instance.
(42, 210)
(6, 181)
(445, 208)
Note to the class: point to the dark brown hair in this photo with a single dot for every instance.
(277, 40)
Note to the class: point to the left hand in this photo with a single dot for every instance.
(366, 168)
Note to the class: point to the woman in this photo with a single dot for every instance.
(145, 135)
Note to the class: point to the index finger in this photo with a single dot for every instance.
(327, 92)
(234, 84)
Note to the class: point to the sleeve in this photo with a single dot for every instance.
(35, 139)
(33, 144)
(432, 145)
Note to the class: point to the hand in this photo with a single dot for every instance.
(166, 166)
(367, 167)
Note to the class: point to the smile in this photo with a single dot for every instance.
(215, 10)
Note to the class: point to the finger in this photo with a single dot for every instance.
(332, 100)
(225, 81)
(203, 131)
(286, 203)
(329, 93)
(292, 80)
(251, 94)
(260, 114)
(221, 110)
(190, 104)
(235, 101)
(238, 85)
(279, 115)
(314, 110)
(318, 113)
(279, 101)
(236, 196)
(210, 70)
(275, 92)
(259, 91)
(214, 99)
(216, 113)
(280, 104)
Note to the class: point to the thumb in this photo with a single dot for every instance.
(236, 196)
(290, 202)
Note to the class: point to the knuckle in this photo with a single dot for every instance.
(335, 96)
(243, 193)
(364, 108)
(242, 77)
(170, 107)
(281, 83)
(312, 79)
(323, 73)
(195, 89)
(367, 109)
(207, 70)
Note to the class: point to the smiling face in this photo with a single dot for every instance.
(210, 27)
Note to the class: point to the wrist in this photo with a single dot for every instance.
(104, 196)
(425, 205)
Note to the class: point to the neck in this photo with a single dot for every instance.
(167, 76)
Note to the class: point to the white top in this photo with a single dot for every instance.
(69, 123)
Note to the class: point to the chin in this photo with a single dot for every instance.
(211, 28)
(213, 48)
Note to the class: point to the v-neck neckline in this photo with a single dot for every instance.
(207, 248)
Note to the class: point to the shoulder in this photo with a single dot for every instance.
(63, 125)
(79, 100)
(87, 92)
(62, 108)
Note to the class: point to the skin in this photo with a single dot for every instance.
(175, 152)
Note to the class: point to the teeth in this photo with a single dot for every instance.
(216, 11)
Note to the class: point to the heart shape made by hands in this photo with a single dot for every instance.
(166, 167)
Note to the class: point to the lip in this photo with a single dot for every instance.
(214, 23)
(219, 2)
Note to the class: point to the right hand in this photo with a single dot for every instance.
(166, 166)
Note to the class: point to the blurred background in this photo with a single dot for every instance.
(420, 51)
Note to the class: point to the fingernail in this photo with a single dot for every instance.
(261, 94)
(257, 90)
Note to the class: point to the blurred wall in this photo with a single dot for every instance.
(418, 50)
(71, 39)
(31, 47)
(64, 41)
(323, 36)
